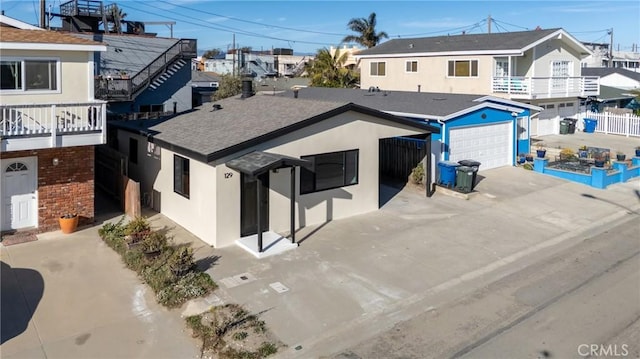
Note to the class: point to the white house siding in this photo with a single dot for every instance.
(553, 50)
(619, 81)
(197, 214)
(346, 131)
(73, 80)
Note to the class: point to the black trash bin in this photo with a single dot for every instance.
(474, 165)
(572, 125)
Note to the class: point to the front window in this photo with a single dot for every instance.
(181, 175)
(330, 170)
(412, 66)
(378, 68)
(29, 75)
(463, 68)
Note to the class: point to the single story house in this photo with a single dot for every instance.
(223, 170)
(491, 130)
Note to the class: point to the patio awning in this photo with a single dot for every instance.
(258, 162)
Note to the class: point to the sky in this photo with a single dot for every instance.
(306, 26)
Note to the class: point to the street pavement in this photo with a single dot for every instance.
(69, 296)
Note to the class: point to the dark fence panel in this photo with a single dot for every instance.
(399, 155)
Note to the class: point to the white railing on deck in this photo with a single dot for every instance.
(46, 119)
(546, 87)
(622, 124)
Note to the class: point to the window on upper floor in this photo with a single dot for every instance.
(463, 68)
(378, 68)
(29, 75)
(412, 66)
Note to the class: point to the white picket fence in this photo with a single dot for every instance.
(626, 124)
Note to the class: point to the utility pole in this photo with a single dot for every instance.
(611, 48)
(233, 68)
(489, 24)
(43, 15)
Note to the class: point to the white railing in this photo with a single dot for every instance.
(546, 87)
(51, 119)
(623, 124)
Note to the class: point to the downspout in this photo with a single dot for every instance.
(431, 187)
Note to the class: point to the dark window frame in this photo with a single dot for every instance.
(309, 179)
(470, 71)
(181, 176)
(133, 150)
(380, 68)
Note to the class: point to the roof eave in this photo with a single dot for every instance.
(50, 46)
(514, 52)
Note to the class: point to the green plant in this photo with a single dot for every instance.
(137, 230)
(240, 335)
(417, 174)
(181, 259)
(540, 146)
(528, 166)
(154, 242)
(567, 154)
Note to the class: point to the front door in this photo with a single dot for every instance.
(249, 205)
(19, 193)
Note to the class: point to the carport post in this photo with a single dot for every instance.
(258, 209)
(293, 205)
(427, 167)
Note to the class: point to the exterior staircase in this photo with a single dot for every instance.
(172, 69)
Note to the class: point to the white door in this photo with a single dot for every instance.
(491, 145)
(547, 120)
(20, 209)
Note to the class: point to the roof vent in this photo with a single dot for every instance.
(411, 46)
(247, 88)
(216, 107)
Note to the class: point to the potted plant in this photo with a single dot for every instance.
(521, 158)
(68, 222)
(528, 157)
(153, 245)
(136, 231)
(599, 160)
(124, 75)
(541, 151)
(637, 151)
(181, 261)
(583, 151)
(567, 154)
(620, 156)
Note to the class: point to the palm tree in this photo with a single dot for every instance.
(118, 16)
(366, 28)
(328, 70)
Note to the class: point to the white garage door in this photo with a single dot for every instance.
(491, 145)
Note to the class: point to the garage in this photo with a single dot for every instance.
(491, 145)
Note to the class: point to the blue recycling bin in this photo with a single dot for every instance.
(590, 125)
(447, 171)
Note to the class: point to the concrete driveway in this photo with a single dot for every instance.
(70, 296)
(356, 277)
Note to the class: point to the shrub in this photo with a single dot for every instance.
(154, 242)
(181, 259)
(417, 174)
(137, 230)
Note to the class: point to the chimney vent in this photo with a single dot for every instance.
(247, 88)
(295, 93)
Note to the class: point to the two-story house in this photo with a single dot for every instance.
(540, 67)
(50, 123)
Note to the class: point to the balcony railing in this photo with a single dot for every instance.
(127, 89)
(546, 87)
(51, 120)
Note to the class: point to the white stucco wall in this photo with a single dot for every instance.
(431, 75)
(197, 214)
(553, 50)
(619, 81)
(347, 131)
(73, 79)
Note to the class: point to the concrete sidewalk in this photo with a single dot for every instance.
(356, 277)
(70, 296)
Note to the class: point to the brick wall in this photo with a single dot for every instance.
(65, 188)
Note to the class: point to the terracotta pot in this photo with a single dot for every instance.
(68, 224)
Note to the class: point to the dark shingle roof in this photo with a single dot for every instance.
(613, 93)
(605, 71)
(420, 103)
(207, 135)
(472, 42)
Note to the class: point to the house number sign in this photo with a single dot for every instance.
(228, 174)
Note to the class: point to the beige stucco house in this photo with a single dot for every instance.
(50, 123)
(540, 67)
(285, 163)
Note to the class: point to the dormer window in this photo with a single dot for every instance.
(29, 75)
